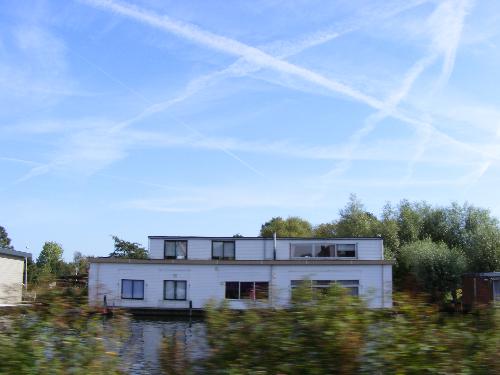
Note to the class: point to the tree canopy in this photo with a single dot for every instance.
(436, 244)
(126, 249)
(4, 239)
(50, 257)
(292, 226)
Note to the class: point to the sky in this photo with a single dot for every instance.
(211, 117)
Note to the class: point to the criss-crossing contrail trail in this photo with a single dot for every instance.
(265, 60)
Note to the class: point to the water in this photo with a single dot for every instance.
(142, 351)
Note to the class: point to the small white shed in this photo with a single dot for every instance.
(12, 275)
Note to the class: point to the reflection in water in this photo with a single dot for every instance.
(141, 354)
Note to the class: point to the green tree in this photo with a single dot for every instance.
(4, 239)
(126, 249)
(355, 221)
(389, 229)
(80, 263)
(410, 221)
(293, 226)
(326, 230)
(50, 262)
(436, 267)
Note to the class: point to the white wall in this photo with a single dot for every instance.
(11, 279)
(258, 249)
(207, 282)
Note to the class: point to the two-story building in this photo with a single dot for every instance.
(184, 272)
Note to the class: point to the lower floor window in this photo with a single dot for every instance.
(132, 289)
(321, 286)
(253, 290)
(174, 290)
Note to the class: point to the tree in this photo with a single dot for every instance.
(50, 262)
(4, 239)
(125, 249)
(410, 221)
(355, 221)
(389, 229)
(326, 230)
(293, 226)
(436, 267)
(80, 263)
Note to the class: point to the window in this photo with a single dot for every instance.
(352, 286)
(302, 250)
(326, 251)
(174, 290)
(175, 249)
(253, 290)
(322, 286)
(132, 289)
(346, 250)
(223, 250)
(322, 250)
(496, 290)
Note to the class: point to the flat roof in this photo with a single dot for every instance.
(283, 262)
(14, 253)
(484, 274)
(267, 238)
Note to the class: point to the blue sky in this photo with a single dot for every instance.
(210, 117)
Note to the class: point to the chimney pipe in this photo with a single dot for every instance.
(274, 245)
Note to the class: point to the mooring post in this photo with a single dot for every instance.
(190, 311)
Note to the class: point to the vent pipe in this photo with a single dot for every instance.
(274, 245)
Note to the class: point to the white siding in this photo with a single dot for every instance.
(259, 249)
(11, 279)
(206, 282)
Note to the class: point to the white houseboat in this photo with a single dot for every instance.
(186, 272)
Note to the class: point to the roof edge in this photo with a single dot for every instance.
(266, 238)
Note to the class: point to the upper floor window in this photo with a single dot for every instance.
(175, 249)
(346, 250)
(322, 250)
(132, 289)
(223, 250)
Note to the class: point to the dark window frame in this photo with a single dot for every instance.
(174, 241)
(134, 281)
(315, 252)
(255, 291)
(355, 250)
(175, 290)
(223, 249)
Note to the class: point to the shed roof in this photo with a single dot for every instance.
(484, 274)
(14, 253)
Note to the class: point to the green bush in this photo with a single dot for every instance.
(59, 334)
(336, 334)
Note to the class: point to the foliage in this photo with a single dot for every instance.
(4, 239)
(125, 249)
(335, 333)
(325, 230)
(438, 269)
(290, 227)
(355, 221)
(49, 263)
(59, 335)
(80, 263)
(320, 335)
(415, 338)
